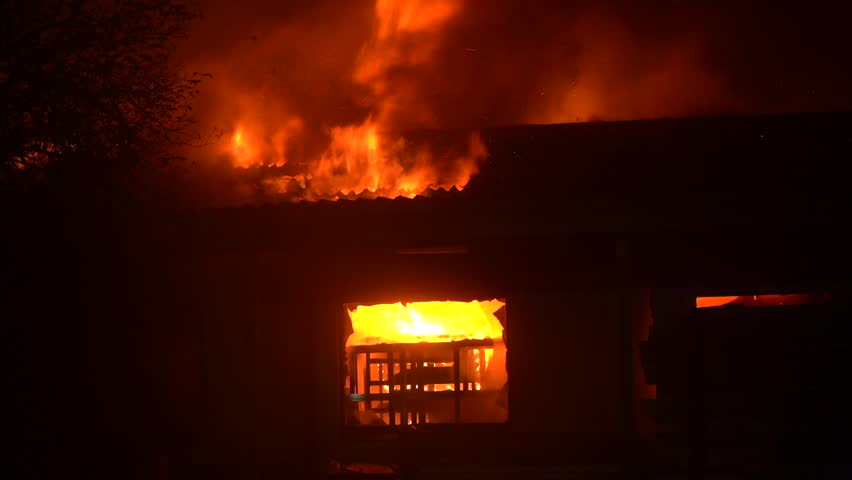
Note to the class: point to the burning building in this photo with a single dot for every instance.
(382, 292)
(543, 319)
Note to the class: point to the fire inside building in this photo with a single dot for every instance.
(426, 239)
(665, 298)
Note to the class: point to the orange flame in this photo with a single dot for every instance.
(407, 34)
(424, 322)
(256, 144)
(361, 159)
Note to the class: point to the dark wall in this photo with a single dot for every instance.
(750, 392)
(152, 346)
(251, 341)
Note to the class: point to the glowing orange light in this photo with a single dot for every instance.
(424, 322)
(707, 302)
(762, 300)
(361, 160)
(242, 149)
(361, 157)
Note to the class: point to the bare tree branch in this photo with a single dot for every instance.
(90, 87)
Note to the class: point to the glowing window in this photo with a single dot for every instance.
(426, 362)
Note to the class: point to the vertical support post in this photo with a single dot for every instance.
(367, 381)
(403, 393)
(456, 377)
(417, 391)
(629, 434)
(391, 411)
(482, 367)
(352, 369)
(696, 386)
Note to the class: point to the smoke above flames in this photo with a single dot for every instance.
(308, 106)
(313, 99)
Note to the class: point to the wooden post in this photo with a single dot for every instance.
(403, 370)
(456, 378)
(367, 382)
(482, 367)
(391, 412)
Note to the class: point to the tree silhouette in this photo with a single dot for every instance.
(90, 88)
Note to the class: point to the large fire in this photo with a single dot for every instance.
(362, 159)
(428, 324)
(334, 101)
(425, 322)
